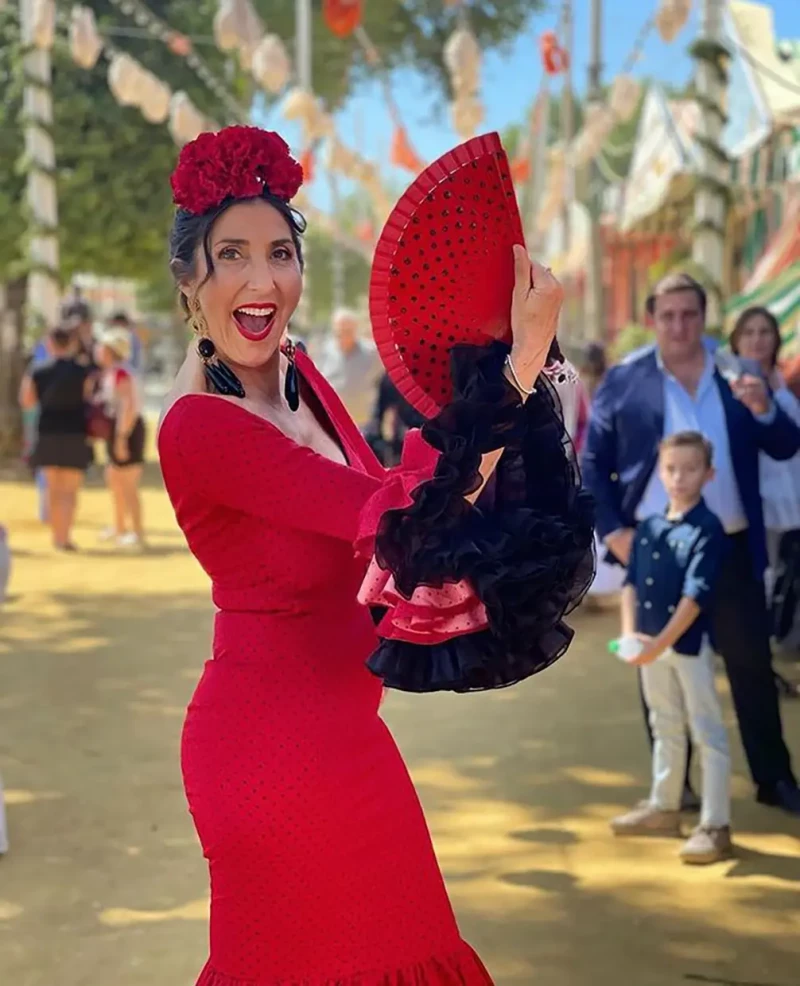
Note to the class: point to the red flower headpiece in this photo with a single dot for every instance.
(238, 163)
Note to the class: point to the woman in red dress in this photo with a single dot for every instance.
(322, 868)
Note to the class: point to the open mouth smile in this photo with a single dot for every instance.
(255, 322)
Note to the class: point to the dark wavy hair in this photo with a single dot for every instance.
(190, 231)
(741, 325)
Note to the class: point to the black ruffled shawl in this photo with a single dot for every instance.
(526, 547)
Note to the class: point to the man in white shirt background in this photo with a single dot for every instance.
(676, 386)
(351, 365)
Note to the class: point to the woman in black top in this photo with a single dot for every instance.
(60, 387)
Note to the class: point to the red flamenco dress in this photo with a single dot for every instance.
(322, 868)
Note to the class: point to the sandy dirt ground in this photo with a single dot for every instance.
(105, 884)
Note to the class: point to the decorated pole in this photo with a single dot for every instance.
(43, 291)
(567, 124)
(539, 139)
(712, 195)
(595, 309)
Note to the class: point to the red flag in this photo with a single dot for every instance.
(402, 153)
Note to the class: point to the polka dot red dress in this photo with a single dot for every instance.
(321, 864)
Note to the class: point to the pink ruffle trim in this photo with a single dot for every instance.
(430, 616)
(461, 968)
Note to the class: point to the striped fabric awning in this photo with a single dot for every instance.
(781, 296)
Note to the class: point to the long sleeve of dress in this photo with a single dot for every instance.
(473, 596)
(232, 458)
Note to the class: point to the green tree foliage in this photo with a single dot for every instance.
(113, 166)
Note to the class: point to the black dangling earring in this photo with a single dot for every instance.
(291, 385)
(219, 374)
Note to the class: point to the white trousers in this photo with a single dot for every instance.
(679, 691)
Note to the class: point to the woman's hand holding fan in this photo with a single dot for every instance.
(535, 309)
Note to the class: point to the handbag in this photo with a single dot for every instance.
(98, 424)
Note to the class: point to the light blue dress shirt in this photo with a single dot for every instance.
(703, 412)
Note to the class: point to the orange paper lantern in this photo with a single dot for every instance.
(520, 169)
(307, 164)
(366, 233)
(555, 59)
(402, 154)
(342, 16)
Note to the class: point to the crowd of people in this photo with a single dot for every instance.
(692, 452)
(82, 389)
(693, 457)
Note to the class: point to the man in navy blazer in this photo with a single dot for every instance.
(672, 387)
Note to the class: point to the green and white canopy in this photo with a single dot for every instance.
(781, 296)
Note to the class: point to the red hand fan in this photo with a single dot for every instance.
(443, 271)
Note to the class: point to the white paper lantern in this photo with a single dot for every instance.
(271, 64)
(302, 106)
(185, 121)
(671, 18)
(125, 76)
(252, 25)
(225, 27)
(462, 56)
(237, 26)
(467, 114)
(43, 23)
(85, 43)
(154, 98)
(299, 104)
(624, 100)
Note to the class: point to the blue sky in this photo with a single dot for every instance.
(511, 79)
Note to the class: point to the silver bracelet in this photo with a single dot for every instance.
(517, 383)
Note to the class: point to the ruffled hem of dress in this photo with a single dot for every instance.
(529, 555)
(461, 968)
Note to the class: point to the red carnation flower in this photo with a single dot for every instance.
(238, 163)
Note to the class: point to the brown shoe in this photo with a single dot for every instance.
(707, 845)
(646, 819)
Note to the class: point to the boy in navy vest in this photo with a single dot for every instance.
(674, 564)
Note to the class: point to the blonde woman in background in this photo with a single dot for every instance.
(121, 395)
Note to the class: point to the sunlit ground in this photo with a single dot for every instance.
(105, 885)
